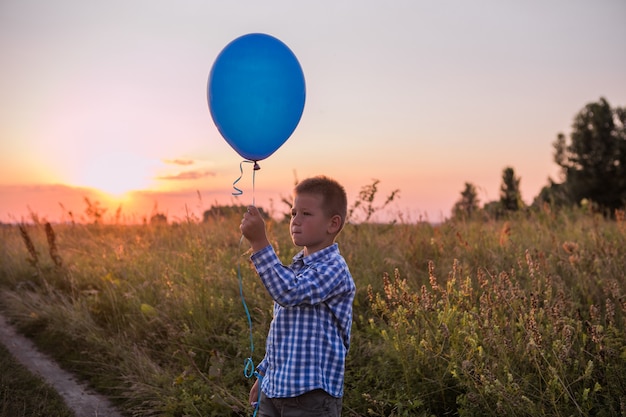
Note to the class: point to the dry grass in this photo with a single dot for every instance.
(516, 317)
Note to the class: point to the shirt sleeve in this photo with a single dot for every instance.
(311, 284)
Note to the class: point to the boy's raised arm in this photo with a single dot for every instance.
(253, 229)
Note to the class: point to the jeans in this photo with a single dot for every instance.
(316, 403)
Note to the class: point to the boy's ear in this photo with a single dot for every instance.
(335, 224)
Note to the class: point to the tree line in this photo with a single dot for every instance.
(592, 163)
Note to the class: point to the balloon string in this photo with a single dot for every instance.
(238, 191)
(249, 370)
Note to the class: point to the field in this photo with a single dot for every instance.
(517, 317)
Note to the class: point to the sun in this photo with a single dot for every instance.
(117, 173)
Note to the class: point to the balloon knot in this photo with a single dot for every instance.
(256, 166)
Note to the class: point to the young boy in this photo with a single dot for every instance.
(302, 373)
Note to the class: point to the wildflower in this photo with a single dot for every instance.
(610, 311)
(536, 337)
(594, 312)
(570, 247)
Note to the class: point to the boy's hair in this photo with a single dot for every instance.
(335, 201)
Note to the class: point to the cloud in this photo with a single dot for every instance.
(188, 175)
(182, 162)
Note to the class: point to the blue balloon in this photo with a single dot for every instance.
(256, 94)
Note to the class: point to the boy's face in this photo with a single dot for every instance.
(310, 226)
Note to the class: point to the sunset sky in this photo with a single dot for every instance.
(421, 95)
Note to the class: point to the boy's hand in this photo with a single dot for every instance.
(253, 397)
(253, 229)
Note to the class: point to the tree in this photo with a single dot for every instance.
(224, 211)
(510, 195)
(158, 219)
(468, 204)
(553, 194)
(593, 161)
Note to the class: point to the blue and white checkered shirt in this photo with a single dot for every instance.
(309, 335)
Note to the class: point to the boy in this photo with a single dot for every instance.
(302, 373)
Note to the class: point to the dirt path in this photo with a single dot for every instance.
(78, 397)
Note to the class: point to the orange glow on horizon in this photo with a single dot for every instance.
(115, 174)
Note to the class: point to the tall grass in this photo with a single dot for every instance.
(518, 317)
